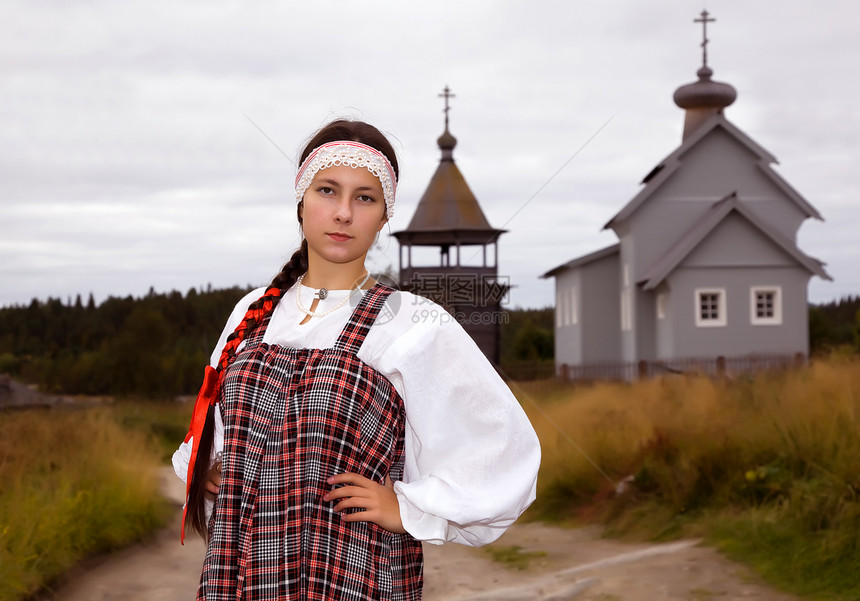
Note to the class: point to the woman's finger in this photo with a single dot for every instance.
(350, 478)
(377, 502)
(345, 491)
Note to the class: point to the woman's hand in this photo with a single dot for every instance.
(379, 503)
(213, 480)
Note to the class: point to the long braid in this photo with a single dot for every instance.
(290, 272)
(195, 516)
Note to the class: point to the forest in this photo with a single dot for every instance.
(835, 325)
(156, 346)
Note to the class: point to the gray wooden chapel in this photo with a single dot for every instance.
(706, 264)
(461, 271)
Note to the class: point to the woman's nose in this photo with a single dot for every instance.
(343, 210)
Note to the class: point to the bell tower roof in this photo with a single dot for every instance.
(448, 212)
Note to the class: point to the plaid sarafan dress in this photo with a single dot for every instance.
(293, 418)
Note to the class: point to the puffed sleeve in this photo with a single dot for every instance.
(182, 455)
(472, 455)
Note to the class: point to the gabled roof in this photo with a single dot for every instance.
(706, 224)
(584, 260)
(668, 166)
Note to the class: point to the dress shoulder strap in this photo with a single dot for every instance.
(365, 314)
(259, 331)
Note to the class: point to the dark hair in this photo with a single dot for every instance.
(354, 131)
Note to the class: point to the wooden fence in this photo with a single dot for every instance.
(525, 369)
(715, 366)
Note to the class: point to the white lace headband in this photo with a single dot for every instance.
(351, 154)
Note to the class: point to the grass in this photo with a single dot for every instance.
(74, 483)
(163, 423)
(764, 468)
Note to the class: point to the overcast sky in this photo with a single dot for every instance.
(153, 143)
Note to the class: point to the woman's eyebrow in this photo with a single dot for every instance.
(334, 182)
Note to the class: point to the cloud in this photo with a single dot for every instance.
(128, 160)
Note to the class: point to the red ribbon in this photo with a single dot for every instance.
(208, 394)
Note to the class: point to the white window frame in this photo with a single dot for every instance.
(574, 306)
(565, 302)
(661, 305)
(721, 319)
(776, 318)
(626, 311)
(558, 308)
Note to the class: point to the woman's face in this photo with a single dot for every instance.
(342, 211)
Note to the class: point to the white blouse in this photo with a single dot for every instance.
(472, 455)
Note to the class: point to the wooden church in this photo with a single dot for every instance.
(706, 267)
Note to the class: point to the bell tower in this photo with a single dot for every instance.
(465, 279)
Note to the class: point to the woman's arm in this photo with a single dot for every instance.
(472, 455)
(182, 456)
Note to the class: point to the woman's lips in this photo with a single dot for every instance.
(338, 237)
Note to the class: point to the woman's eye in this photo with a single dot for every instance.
(365, 198)
(325, 190)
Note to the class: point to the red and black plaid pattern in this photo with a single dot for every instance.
(209, 390)
(294, 417)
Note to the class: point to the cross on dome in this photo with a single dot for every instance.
(446, 94)
(704, 21)
(706, 97)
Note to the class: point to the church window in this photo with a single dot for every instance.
(766, 305)
(559, 297)
(710, 307)
(626, 311)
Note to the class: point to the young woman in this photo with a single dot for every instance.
(337, 426)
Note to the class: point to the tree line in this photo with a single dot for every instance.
(835, 325)
(157, 345)
(152, 346)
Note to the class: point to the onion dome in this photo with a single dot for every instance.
(705, 93)
(447, 142)
(703, 99)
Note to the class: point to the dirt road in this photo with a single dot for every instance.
(572, 565)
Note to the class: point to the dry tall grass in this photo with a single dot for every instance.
(74, 483)
(774, 457)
